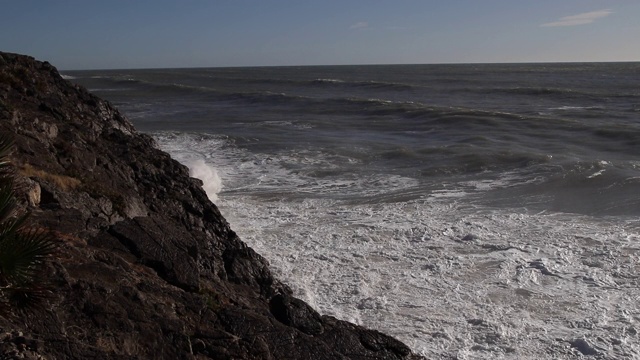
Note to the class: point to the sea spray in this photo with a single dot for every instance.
(212, 184)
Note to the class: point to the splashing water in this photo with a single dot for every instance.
(212, 184)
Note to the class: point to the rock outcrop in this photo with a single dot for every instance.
(147, 267)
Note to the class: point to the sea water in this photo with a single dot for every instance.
(472, 211)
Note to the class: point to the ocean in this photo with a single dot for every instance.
(474, 211)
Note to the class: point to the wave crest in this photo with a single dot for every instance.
(212, 184)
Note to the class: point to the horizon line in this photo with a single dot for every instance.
(370, 64)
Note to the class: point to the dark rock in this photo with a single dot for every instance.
(469, 237)
(584, 347)
(171, 251)
(478, 322)
(147, 266)
(20, 340)
(544, 270)
(294, 312)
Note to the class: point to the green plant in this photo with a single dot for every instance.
(23, 250)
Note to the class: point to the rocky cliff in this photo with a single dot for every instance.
(147, 267)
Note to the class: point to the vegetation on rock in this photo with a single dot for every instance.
(23, 250)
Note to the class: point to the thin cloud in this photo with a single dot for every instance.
(359, 25)
(580, 19)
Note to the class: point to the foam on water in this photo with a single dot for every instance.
(453, 280)
(329, 80)
(105, 89)
(445, 276)
(209, 176)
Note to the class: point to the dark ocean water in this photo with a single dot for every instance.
(473, 211)
(558, 137)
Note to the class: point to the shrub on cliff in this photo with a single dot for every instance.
(23, 250)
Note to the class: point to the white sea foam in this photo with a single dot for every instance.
(67, 77)
(107, 89)
(330, 80)
(567, 108)
(448, 278)
(193, 152)
(595, 174)
(601, 164)
(212, 184)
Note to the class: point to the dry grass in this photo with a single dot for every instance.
(62, 182)
(69, 239)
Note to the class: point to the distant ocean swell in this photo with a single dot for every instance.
(435, 142)
(630, 93)
(373, 106)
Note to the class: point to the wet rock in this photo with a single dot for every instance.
(478, 322)
(294, 312)
(540, 265)
(584, 347)
(469, 237)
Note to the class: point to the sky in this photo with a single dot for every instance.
(112, 34)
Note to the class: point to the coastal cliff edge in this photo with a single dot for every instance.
(147, 267)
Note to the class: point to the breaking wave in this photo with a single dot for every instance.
(212, 184)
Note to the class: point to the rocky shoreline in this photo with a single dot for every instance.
(147, 266)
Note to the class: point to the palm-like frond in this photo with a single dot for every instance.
(7, 196)
(28, 296)
(6, 144)
(23, 251)
(7, 200)
(22, 254)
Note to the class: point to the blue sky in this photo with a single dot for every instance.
(100, 34)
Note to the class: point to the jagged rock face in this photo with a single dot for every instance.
(147, 267)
